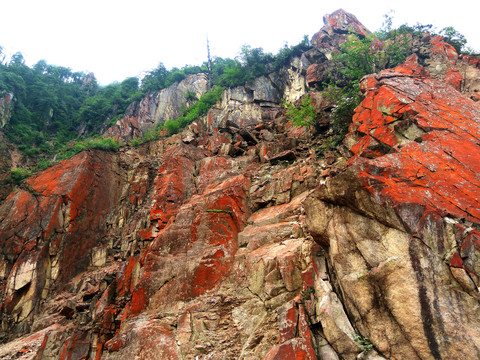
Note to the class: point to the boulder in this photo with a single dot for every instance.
(394, 221)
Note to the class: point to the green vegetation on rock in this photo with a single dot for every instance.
(355, 58)
(55, 106)
(195, 111)
(305, 115)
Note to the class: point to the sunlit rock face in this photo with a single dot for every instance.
(232, 240)
(244, 105)
(158, 107)
(404, 243)
(6, 106)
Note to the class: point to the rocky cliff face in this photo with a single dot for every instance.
(243, 105)
(157, 107)
(232, 240)
(6, 104)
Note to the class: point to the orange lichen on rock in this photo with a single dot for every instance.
(431, 143)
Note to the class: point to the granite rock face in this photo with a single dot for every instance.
(232, 240)
(157, 107)
(243, 105)
(401, 222)
(6, 105)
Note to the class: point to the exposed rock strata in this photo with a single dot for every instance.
(243, 105)
(157, 107)
(6, 106)
(232, 240)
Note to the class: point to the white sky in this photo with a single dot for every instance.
(116, 39)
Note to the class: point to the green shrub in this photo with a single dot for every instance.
(306, 293)
(303, 116)
(136, 142)
(173, 126)
(358, 57)
(363, 343)
(233, 75)
(286, 53)
(454, 38)
(150, 135)
(329, 144)
(43, 164)
(106, 144)
(190, 96)
(195, 111)
(19, 174)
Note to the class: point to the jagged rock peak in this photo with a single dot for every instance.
(342, 22)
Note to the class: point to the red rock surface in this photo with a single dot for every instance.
(415, 150)
(429, 133)
(232, 240)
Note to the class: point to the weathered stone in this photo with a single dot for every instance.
(402, 263)
(148, 338)
(157, 107)
(265, 91)
(6, 106)
(248, 137)
(287, 155)
(337, 26)
(197, 247)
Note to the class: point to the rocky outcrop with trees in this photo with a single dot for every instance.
(236, 234)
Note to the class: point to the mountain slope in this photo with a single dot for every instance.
(233, 240)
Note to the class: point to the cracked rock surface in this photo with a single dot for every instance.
(232, 240)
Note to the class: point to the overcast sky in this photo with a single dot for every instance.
(116, 39)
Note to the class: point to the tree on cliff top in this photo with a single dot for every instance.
(357, 57)
(52, 103)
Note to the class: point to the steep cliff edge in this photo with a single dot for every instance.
(243, 105)
(401, 222)
(232, 240)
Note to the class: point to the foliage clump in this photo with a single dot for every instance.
(305, 115)
(195, 111)
(364, 344)
(99, 143)
(357, 57)
(161, 78)
(17, 175)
